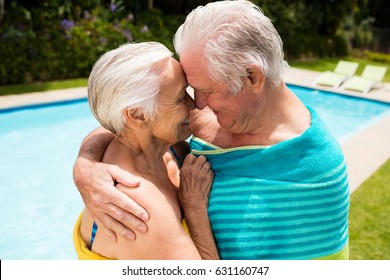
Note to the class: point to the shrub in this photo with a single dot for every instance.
(61, 39)
(376, 56)
(16, 52)
(308, 46)
(64, 42)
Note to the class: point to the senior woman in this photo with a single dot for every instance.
(138, 92)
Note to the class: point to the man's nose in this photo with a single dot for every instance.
(200, 101)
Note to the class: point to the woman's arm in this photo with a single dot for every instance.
(196, 179)
(113, 211)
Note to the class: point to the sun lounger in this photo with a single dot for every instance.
(372, 76)
(344, 69)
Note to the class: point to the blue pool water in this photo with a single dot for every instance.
(344, 115)
(39, 202)
(38, 145)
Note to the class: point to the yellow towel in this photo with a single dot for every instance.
(81, 247)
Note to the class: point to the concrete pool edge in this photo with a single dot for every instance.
(367, 151)
(18, 101)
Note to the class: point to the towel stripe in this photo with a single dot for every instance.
(256, 193)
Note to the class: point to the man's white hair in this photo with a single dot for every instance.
(235, 36)
(123, 79)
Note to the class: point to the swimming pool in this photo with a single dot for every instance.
(38, 199)
(39, 144)
(344, 115)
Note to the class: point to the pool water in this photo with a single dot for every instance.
(38, 146)
(39, 202)
(344, 115)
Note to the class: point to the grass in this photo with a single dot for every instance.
(328, 64)
(369, 220)
(39, 87)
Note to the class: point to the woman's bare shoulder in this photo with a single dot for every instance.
(164, 227)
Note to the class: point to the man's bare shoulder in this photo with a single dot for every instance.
(204, 125)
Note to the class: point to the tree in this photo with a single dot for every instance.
(1, 9)
(380, 10)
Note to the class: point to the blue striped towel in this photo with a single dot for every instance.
(286, 201)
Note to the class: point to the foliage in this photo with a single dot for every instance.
(63, 39)
(42, 87)
(375, 56)
(308, 28)
(380, 10)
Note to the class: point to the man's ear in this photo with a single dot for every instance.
(135, 116)
(255, 77)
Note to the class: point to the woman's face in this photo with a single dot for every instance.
(173, 104)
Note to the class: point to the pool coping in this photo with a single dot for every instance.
(364, 151)
(37, 99)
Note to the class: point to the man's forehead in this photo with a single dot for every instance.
(191, 60)
(194, 68)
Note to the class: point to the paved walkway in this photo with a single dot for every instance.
(365, 152)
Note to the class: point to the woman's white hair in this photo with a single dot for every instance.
(235, 36)
(123, 79)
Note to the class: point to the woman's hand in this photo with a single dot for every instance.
(113, 211)
(196, 178)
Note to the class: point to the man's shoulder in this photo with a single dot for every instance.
(204, 124)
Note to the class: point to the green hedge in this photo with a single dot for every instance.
(303, 46)
(375, 56)
(62, 39)
(60, 43)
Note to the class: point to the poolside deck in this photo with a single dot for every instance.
(365, 152)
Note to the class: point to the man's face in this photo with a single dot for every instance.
(230, 110)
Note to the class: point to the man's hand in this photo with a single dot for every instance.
(113, 211)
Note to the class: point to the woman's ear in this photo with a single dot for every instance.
(255, 77)
(135, 117)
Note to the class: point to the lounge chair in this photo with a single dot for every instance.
(372, 76)
(344, 69)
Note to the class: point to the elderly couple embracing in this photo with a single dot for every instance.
(260, 178)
